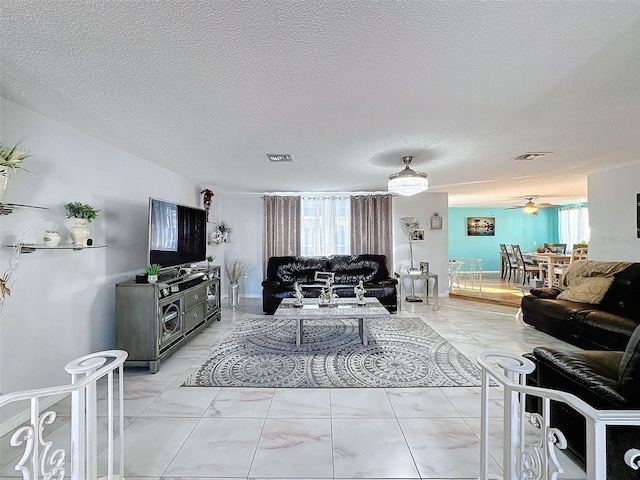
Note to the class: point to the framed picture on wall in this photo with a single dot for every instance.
(417, 235)
(435, 223)
(481, 226)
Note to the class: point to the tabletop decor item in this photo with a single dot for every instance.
(298, 294)
(82, 214)
(359, 292)
(10, 160)
(210, 259)
(152, 272)
(51, 238)
(235, 272)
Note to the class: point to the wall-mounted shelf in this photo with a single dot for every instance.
(7, 208)
(30, 248)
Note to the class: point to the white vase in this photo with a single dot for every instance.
(4, 179)
(51, 238)
(79, 232)
(152, 278)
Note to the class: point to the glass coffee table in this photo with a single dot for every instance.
(345, 308)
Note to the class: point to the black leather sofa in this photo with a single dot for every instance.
(283, 272)
(606, 374)
(607, 325)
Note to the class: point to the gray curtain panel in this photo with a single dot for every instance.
(371, 226)
(281, 234)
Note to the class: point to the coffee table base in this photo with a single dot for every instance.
(363, 331)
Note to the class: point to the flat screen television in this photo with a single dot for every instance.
(177, 234)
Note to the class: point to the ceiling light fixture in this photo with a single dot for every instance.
(530, 207)
(407, 182)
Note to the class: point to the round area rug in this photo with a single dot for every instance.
(402, 352)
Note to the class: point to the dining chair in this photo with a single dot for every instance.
(505, 265)
(560, 248)
(560, 269)
(527, 269)
(582, 246)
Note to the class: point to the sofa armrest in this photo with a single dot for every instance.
(386, 281)
(270, 283)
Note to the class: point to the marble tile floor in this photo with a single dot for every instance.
(264, 433)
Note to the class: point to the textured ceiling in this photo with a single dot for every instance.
(207, 88)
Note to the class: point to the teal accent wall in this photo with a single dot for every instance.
(512, 226)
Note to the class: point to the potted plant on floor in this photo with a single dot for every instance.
(235, 272)
(82, 213)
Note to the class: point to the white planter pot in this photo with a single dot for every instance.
(152, 278)
(79, 232)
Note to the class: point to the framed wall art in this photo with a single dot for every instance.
(481, 226)
(417, 235)
(435, 222)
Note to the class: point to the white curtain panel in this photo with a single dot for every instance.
(573, 225)
(325, 225)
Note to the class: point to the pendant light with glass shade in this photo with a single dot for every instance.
(407, 182)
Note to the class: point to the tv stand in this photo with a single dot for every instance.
(153, 320)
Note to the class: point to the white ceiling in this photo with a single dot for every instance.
(207, 88)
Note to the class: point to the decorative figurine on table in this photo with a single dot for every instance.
(327, 298)
(359, 291)
(298, 294)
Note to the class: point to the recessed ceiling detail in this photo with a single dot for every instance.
(280, 157)
(531, 156)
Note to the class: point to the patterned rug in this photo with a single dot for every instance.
(402, 352)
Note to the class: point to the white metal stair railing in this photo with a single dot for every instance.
(39, 458)
(527, 458)
(465, 274)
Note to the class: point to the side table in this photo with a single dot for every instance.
(425, 287)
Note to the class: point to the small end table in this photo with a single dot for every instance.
(425, 287)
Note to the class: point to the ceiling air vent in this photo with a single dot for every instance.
(280, 157)
(531, 156)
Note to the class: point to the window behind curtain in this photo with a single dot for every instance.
(325, 225)
(573, 225)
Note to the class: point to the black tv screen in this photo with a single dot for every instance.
(177, 234)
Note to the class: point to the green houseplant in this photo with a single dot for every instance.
(10, 160)
(81, 210)
(82, 213)
(152, 272)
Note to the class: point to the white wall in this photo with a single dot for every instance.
(435, 248)
(62, 302)
(613, 214)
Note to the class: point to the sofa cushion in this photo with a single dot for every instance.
(592, 268)
(586, 289)
(295, 269)
(350, 269)
(623, 297)
(545, 292)
(629, 373)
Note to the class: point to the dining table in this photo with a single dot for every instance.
(547, 261)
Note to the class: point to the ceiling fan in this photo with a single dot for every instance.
(530, 207)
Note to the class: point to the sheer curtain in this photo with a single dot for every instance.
(325, 225)
(371, 226)
(281, 234)
(573, 225)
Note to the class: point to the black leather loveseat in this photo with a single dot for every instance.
(283, 272)
(606, 374)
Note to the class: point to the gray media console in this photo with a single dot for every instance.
(154, 320)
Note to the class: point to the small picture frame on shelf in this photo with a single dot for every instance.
(424, 268)
(435, 223)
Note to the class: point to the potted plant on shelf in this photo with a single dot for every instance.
(82, 214)
(235, 272)
(210, 259)
(152, 272)
(10, 160)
